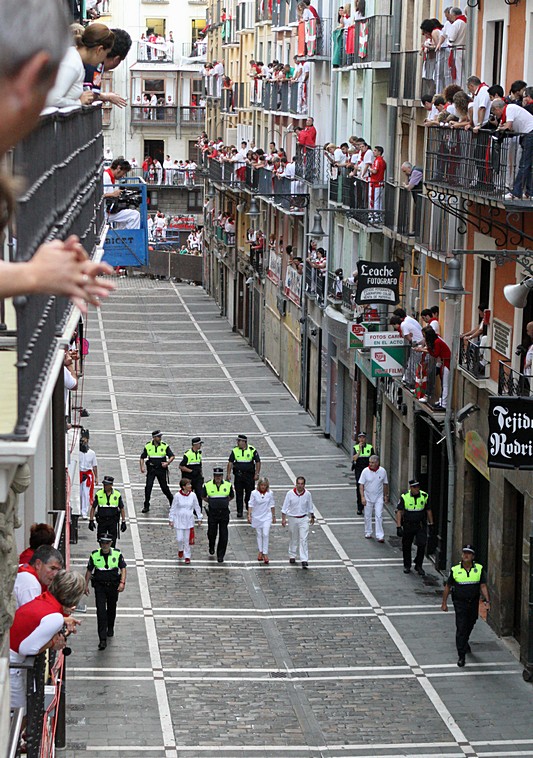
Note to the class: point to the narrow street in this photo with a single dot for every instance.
(351, 658)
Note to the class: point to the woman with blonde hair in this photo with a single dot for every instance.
(92, 45)
(261, 514)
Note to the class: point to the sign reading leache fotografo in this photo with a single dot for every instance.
(511, 432)
(377, 282)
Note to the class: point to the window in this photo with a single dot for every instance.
(194, 201)
(154, 87)
(494, 51)
(156, 25)
(197, 26)
(197, 87)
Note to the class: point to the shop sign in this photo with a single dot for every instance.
(476, 453)
(293, 285)
(383, 339)
(356, 332)
(511, 432)
(274, 267)
(387, 361)
(377, 282)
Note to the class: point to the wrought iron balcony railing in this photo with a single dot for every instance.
(474, 358)
(309, 164)
(197, 49)
(511, 382)
(227, 238)
(154, 115)
(281, 190)
(263, 10)
(153, 52)
(192, 115)
(362, 200)
(315, 283)
(281, 97)
(316, 38)
(213, 86)
(169, 177)
(400, 210)
(368, 41)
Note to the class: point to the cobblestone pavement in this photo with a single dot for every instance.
(351, 658)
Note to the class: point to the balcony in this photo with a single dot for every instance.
(316, 39)
(148, 52)
(196, 49)
(403, 82)
(309, 164)
(263, 11)
(245, 17)
(192, 115)
(511, 382)
(281, 97)
(60, 162)
(366, 43)
(400, 210)
(474, 359)
(224, 172)
(169, 177)
(213, 86)
(227, 238)
(484, 165)
(229, 32)
(361, 200)
(315, 284)
(227, 101)
(256, 261)
(154, 115)
(280, 190)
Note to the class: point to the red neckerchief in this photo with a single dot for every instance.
(374, 471)
(462, 17)
(481, 85)
(185, 494)
(27, 569)
(298, 493)
(503, 117)
(111, 175)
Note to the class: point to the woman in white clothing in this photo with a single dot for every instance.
(182, 511)
(261, 514)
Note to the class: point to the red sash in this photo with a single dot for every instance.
(87, 477)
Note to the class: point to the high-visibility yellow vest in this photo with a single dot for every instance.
(156, 451)
(462, 576)
(364, 452)
(412, 503)
(244, 456)
(112, 560)
(114, 499)
(212, 490)
(193, 458)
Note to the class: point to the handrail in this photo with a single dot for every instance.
(14, 732)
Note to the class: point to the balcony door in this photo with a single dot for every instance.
(155, 148)
(512, 558)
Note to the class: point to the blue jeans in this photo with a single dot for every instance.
(524, 175)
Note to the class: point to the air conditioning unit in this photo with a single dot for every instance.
(282, 305)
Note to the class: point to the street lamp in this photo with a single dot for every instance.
(517, 294)
(253, 210)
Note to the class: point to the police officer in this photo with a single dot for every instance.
(467, 581)
(217, 493)
(158, 457)
(246, 464)
(361, 455)
(191, 467)
(413, 516)
(107, 571)
(108, 509)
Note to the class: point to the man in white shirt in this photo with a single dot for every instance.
(168, 166)
(528, 362)
(374, 490)
(297, 507)
(129, 218)
(33, 578)
(480, 103)
(367, 159)
(218, 73)
(457, 41)
(517, 119)
(411, 331)
(88, 475)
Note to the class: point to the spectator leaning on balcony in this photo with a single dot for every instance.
(34, 577)
(128, 218)
(438, 349)
(376, 179)
(457, 40)
(114, 57)
(516, 119)
(92, 45)
(414, 178)
(307, 135)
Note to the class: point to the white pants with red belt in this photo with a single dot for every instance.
(375, 506)
(85, 501)
(298, 532)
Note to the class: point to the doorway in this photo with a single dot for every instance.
(512, 556)
(480, 526)
(155, 148)
(155, 26)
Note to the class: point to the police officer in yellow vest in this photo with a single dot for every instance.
(217, 493)
(413, 516)
(246, 464)
(108, 509)
(158, 457)
(361, 455)
(467, 581)
(107, 571)
(191, 467)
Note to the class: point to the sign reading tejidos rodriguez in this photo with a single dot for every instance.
(377, 282)
(511, 432)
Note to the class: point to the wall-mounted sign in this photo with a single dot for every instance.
(387, 361)
(383, 339)
(293, 285)
(502, 337)
(476, 453)
(274, 267)
(511, 432)
(377, 282)
(356, 332)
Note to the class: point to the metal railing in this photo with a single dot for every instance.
(256, 260)
(309, 164)
(61, 163)
(449, 65)
(511, 382)
(315, 283)
(281, 97)
(244, 16)
(213, 85)
(400, 210)
(225, 172)
(368, 41)
(263, 10)
(483, 164)
(227, 101)
(155, 52)
(348, 295)
(280, 189)
(154, 115)
(192, 115)
(316, 38)
(168, 177)
(360, 199)
(227, 238)
(229, 31)
(474, 358)
(196, 49)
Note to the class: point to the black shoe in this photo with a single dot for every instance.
(420, 571)
(220, 560)
(110, 632)
(461, 662)
(359, 512)
(304, 564)
(211, 552)
(240, 515)
(84, 413)
(102, 645)
(407, 571)
(292, 560)
(145, 510)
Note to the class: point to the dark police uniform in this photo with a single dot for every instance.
(364, 452)
(193, 460)
(414, 510)
(155, 455)
(106, 573)
(244, 468)
(466, 589)
(107, 510)
(218, 499)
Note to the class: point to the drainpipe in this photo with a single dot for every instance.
(448, 433)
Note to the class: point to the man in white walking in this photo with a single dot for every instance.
(374, 491)
(297, 507)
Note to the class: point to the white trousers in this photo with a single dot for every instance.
(377, 508)
(445, 380)
(298, 532)
(129, 218)
(84, 499)
(262, 533)
(182, 538)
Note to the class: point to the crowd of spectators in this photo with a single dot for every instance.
(356, 161)
(178, 173)
(156, 47)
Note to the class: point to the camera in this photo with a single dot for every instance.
(65, 632)
(520, 350)
(129, 198)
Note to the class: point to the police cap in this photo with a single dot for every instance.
(106, 537)
(468, 549)
(414, 483)
(196, 441)
(361, 434)
(218, 471)
(108, 480)
(157, 433)
(242, 437)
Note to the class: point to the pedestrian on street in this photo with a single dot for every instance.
(246, 464)
(413, 517)
(374, 490)
(88, 475)
(158, 457)
(361, 455)
(217, 493)
(261, 515)
(467, 582)
(191, 467)
(297, 507)
(184, 507)
(106, 570)
(108, 509)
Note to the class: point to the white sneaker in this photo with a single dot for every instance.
(422, 399)
(510, 196)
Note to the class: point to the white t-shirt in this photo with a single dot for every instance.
(367, 160)
(68, 86)
(457, 33)
(306, 70)
(481, 100)
(411, 326)
(298, 505)
(26, 588)
(434, 324)
(522, 120)
(87, 460)
(373, 482)
(261, 505)
(339, 156)
(70, 384)
(218, 69)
